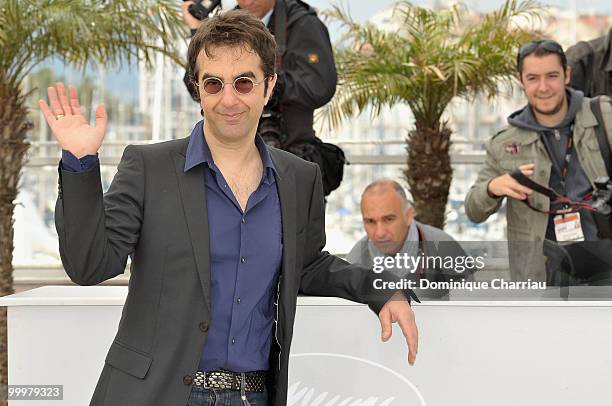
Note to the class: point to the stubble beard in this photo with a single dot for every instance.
(556, 109)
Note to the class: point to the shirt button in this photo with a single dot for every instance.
(238, 300)
(243, 260)
(203, 327)
(187, 379)
(233, 341)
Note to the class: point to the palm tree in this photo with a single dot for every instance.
(76, 32)
(425, 60)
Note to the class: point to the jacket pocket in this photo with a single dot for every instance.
(128, 360)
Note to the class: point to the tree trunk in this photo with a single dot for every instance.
(429, 172)
(14, 126)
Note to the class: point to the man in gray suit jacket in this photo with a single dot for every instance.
(392, 231)
(223, 232)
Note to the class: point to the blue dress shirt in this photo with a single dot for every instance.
(246, 252)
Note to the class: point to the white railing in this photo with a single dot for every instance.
(46, 154)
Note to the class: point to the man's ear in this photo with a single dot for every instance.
(409, 215)
(568, 72)
(520, 80)
(271, 84)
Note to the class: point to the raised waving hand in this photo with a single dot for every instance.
(68, 124)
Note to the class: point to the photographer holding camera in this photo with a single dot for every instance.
(306, 79)
(546, 162)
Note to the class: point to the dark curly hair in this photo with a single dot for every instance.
(235, 28)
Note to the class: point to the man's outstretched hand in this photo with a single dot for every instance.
(68, 124)
(397, 309)
(506, 185)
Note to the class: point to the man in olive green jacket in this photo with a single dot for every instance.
(552, 140)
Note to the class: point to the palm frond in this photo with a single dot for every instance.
(82, 31)
(426, 58)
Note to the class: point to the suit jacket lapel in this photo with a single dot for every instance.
(285, 180)
(193, 198)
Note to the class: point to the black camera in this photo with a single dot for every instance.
(272, 128)
(201, 12)
(602, 203)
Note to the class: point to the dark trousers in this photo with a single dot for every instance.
(201, 396)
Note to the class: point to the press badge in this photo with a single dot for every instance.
(568, 228)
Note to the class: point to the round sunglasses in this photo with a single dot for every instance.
(242, 85)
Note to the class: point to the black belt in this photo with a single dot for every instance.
(253, 381)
